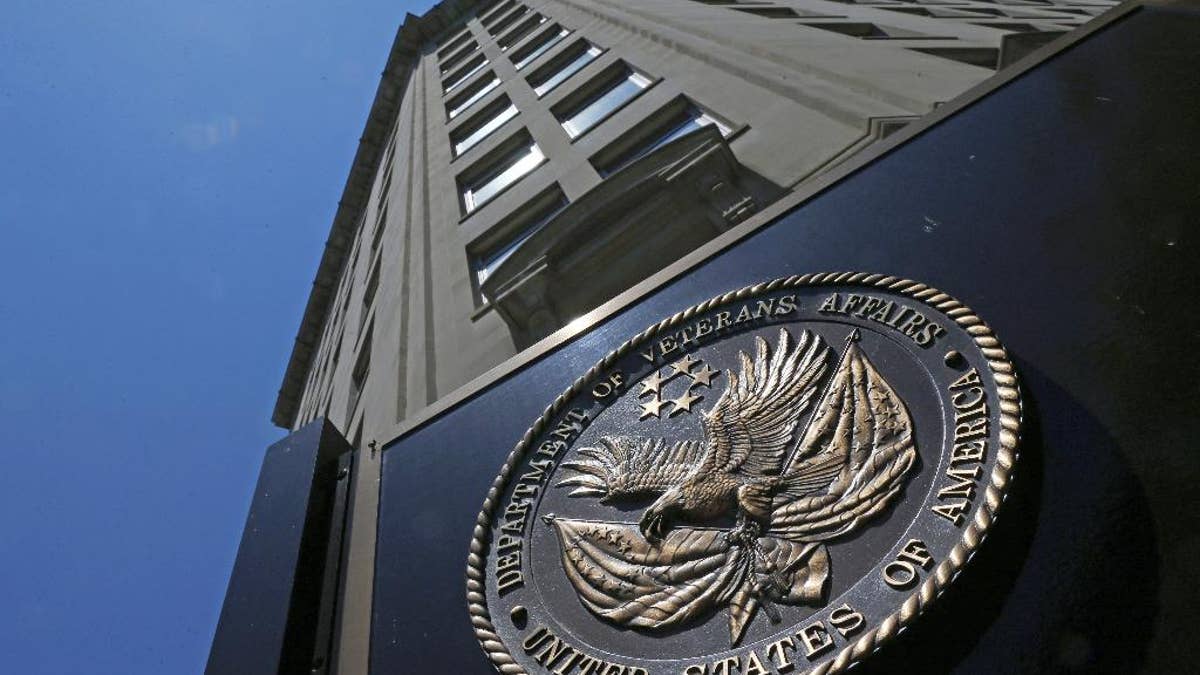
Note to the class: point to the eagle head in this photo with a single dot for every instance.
(654, 523)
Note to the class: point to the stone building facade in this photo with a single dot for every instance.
(524, 161)
(514, 144)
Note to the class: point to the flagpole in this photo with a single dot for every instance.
(854, 336)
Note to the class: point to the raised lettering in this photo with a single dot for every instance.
(847, 620)
(777, 652)
(815, 638)
(969, 451)
(536, 638)
(725, 666)
(952, 511)
(764, 308)
(551, 651)
(753, 665)
(787, 305)
(969, 378)
(899, 574)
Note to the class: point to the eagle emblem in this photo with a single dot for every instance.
(792, 457)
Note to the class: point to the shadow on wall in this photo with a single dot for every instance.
(1072, 561)
(640, 219)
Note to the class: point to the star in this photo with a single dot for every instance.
(685, 364)
(653, 384)
(651, 408)
(704, 376)
(684, 403)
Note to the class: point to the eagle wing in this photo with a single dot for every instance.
(750, 428)
(862, 426)
(630, 467)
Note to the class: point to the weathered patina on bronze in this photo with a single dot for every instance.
(861, 436)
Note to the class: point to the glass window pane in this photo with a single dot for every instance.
(609, 98)
(508, 173)
(568, 69)
(541, 48)
(469, 141)
(507, 21)
(465, 75)
(467, 102)
(486, 264)
(496, 11)
(513, 36)
(688, 120)
(454, 43)
(454, 60)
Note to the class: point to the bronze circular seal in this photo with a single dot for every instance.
(776, 480)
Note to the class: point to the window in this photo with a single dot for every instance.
(387, 165)
(508, 20)
(528, 219)
(452, 44)
(600, 98)
(346, 295)
(462, 74)
(984, 57)
(471, 95)
(871, 31)
(337, 351)
(539, 45)
(495, 11)
(482, 125)
(770, 12)
(451, 62)
(570, 62)
(369, 292)
(684, 120)
(524, 28)
(358, 376)
(491, 176)
(380, 226)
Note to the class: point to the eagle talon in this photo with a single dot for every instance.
(745, 532)
(652, 528)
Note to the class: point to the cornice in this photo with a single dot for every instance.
(405, 54)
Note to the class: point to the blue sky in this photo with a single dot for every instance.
(169, 174)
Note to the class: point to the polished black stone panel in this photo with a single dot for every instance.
(273, 607)
(1063, 208)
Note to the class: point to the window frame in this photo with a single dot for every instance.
(370, 288)
(464, 74)
(652, 133)
(452, 61)
(473, 124)
(518, 148)
(595, 90)
(504, 238)
(361, 371)
(495, 10)
(521, 31)
(549, 71)
(452, 44)
(495, 28)
(472, 95)
(534, 48)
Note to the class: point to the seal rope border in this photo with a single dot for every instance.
(1007, 390)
